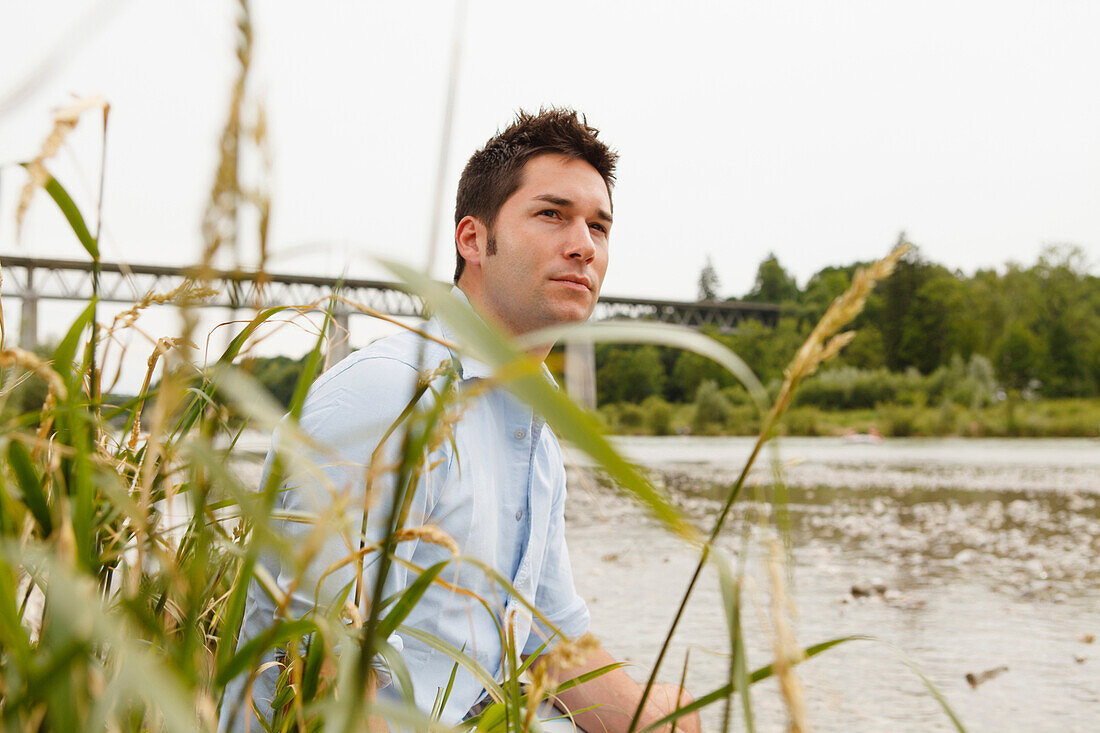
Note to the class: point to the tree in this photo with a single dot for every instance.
(773, 283)
(690, 371)
(865, 352)
(766, 350)
(708, 282)
(937, 323)
(629, 374)
(1019, 356)
(1068, 322)
(279, 375)
(899, 293)
(821, 289)
(712, 409)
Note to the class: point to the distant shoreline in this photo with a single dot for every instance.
(1066, 418)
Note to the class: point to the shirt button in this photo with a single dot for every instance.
(520, 434)
(519, 515)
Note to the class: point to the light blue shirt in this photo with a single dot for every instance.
(498, 491)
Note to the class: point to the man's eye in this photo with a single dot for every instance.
(549, 212)
(599, 227)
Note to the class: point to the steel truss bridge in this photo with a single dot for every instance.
(33, 279)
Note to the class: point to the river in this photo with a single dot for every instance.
(963, 556)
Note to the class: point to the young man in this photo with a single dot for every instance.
(532, 224)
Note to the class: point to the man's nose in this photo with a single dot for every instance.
(579, 244)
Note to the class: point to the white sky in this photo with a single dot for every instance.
(817, 130)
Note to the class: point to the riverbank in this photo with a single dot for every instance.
(1067, 418)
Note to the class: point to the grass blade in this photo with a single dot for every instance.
(65, 354)
(76, 220)
(30, 483)
(252, 650)
(760, 674)
(731, 605)
(408, 600)
(468, 662)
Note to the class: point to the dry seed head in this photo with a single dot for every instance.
(160, 349)
(207, 710)
(444, 430)
(849, 304)
(188, 290)
(569, 653)
(32, 362)
(540, 683)
(823, 343)
(565, 655)
(426, 378)
(427, 533)
(64, 122)
(350, 613)
(835, 344)
(219, 221)
(42, 435)
(787, 651)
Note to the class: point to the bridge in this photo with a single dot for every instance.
(32, 280)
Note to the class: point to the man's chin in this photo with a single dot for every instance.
(567, 315)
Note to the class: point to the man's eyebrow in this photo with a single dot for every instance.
(559, 201)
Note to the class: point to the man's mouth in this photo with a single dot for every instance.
(578, 282)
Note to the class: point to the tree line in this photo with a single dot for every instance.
(1033, 330)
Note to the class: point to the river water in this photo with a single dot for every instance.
(961, 556)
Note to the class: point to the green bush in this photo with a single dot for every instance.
(897, 421)
(743, 420)
(609, 417)
(804, 421)
(848, 388)
(632, 417)
(946, 419)
(658, 415)
(712, 409)
(737, 395)
(969, 384)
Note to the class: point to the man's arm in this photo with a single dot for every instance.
(375, 724)
(616, 697)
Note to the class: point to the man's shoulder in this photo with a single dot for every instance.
(387, 365)
(399, 353)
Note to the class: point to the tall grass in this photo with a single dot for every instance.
(126, 554)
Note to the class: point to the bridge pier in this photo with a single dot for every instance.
(28, 315)
(338, 337)
(580, 371)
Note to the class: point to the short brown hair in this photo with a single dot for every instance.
(495, 172)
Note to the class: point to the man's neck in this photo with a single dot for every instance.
(473, 294)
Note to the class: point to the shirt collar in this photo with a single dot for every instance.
(468, 366)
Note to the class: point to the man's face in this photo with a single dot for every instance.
(550, 239)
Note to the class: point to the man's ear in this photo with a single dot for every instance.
(470, 237)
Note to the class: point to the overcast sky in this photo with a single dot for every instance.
(817, 130)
